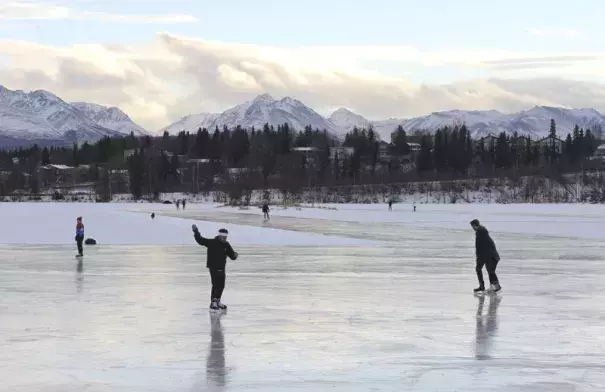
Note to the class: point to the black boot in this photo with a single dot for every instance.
(479, 289)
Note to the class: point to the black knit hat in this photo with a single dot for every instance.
(475, 222)
(223, 231)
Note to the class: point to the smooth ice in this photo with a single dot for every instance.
(397, 316)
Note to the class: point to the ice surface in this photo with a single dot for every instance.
(120, 224)
(395, 317)
(575, 220)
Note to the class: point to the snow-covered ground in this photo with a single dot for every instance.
(324, 316)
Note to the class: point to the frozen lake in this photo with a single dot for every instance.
(396, 315)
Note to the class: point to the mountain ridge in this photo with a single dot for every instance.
(533, 122)
(40, 115)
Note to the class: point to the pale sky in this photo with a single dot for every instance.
(161, 60)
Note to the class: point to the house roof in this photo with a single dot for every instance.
(550, 137)
(58, 167)
(304, 149)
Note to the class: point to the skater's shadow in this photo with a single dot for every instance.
(486, 327)
(216, 371)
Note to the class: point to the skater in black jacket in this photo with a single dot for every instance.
(487, 255)
(216, 260)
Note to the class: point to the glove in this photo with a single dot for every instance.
(236, 254)
(194, 228)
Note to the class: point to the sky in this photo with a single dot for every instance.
(161, 60)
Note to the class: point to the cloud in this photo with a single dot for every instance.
(161, 80)
(554, 33)
(43, 11)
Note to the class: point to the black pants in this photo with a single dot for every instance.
(218, 283)
(79, 240)
(490, 265)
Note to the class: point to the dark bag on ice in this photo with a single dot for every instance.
(90, 241)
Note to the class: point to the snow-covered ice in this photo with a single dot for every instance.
(125, 224)
(397, 315)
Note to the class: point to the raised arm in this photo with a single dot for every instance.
(198, 237)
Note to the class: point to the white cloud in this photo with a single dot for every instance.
(170, 76)
(44, 11)
(554, 33)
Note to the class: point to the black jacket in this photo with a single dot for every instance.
(485, 248)
(218, 251)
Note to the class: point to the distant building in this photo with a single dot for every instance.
(57, 175)
(487, 142)
(385, 151)
(130, 152)
(551, 142)
(308, 151)
(414, 147)
(341, 152)
(600, 152)
(199, 170)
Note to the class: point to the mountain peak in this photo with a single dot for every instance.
(342, 111)
(45, 95)
(263, 98)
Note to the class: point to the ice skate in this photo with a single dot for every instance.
(214, 305)
(221, 305)
(494, 288)
(479, 290)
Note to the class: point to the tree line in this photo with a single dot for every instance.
(268, 157)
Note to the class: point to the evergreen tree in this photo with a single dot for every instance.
(425, 158)
(553, 128)
(45, 156)
(74, 154)
(136, 171)
(569, 148)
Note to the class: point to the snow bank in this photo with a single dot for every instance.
(120, 224)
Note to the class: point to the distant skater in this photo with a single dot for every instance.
(178, 204)
(487, 255)
(414, 207)
(390, 205)
(266, 211)
(216, 260)
(80, 236)
(153, 215)
(184, 204)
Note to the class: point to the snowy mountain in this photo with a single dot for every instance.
(110, 118)
(479, 122)
(256, 113)
(191, 123)
(345, 119)
(42, 116)
(534, 122)
(263, 109)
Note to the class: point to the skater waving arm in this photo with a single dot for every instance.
(198, 237)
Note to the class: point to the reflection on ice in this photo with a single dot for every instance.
(79, 276)
(486, 326)
(216, 371)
